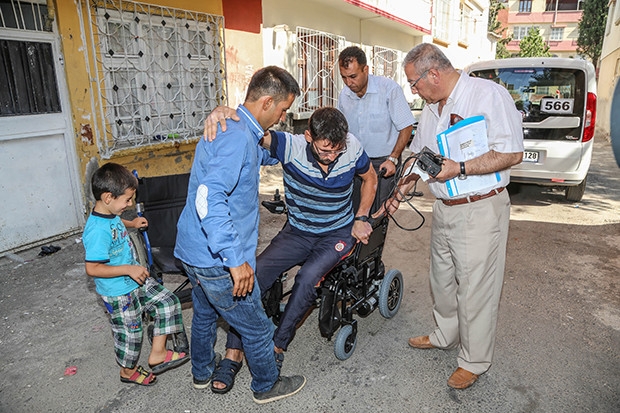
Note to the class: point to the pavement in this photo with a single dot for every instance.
(558, 343)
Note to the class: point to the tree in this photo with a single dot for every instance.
(497, 30)
(495, 26)
(533, 45)
(501, 51)
(592, 29)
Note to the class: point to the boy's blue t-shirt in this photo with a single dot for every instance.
(107, 241)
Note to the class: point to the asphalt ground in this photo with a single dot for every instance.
(558, 340)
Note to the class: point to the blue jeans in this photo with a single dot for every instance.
(212, 297)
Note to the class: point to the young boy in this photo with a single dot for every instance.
(125, 287)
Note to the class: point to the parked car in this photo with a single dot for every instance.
(557, 98)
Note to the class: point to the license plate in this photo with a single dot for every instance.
(530, 156)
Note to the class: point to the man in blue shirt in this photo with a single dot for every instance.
(322, 227)
(218, 235)
(377, 112)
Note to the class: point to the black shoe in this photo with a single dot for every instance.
(203, 384)
(284, 387)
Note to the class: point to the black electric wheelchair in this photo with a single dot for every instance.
(357, 285)
(161, 200)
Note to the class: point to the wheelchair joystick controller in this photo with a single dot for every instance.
(275, 206)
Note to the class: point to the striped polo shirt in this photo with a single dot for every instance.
(317, 201)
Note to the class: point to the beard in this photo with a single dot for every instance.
(315, 155)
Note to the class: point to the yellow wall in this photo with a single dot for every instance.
(167, 158)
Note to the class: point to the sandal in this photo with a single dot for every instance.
(172, 360)
(225, 372)
(141, 377)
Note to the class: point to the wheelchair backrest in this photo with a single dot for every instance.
(375, 242)
(163, 199)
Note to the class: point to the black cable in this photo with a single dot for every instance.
(398, 175)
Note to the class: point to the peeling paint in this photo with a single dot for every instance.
(86, 134)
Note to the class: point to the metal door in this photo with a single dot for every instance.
(39, 180)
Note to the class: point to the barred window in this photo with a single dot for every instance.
(442, 20)
(25, 15)
(385, 62)
(160, 72)
(318, 76)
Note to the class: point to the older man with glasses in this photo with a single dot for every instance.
(470, 229)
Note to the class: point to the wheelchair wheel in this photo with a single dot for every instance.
(390, 293)
(149, 333)
(180, 342)
(345, 342)
(138, 249)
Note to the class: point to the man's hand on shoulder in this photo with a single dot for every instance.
(218, 116)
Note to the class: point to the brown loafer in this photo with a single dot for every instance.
(462, 379)
(422, 342)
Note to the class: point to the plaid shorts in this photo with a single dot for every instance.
(126, 313)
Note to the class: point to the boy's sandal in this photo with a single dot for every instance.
(141, 377)
(225, 372)
(172, 360)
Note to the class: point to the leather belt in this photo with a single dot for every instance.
(472, 198)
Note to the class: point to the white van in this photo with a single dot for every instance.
(557, 98)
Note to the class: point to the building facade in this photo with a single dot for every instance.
(557, 21)
(609, 72)
(92, 81)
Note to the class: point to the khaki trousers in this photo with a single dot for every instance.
(468, 256)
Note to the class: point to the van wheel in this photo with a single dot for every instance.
(575, 193)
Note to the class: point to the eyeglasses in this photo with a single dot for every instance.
(413, 85)
(336, 152)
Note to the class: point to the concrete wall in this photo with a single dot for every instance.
(609, 68)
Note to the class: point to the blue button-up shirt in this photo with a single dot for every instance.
(377, 117)
(219, 224)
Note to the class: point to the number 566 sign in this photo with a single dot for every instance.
(556, 105)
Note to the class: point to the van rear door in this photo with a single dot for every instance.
(552, 101)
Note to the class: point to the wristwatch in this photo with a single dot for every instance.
(393, 160)
(363, 218)
(462, 175)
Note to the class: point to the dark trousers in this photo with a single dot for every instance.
(317, 254)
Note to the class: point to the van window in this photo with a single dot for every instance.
(543, 92)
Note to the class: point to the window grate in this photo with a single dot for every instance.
(160, 72)
(385, 62)
(25, 15)
(318, 77)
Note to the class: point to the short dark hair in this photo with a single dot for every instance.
(427, 56)
(328, 123)
(113, 178)
(351, 53)
(272, 81)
